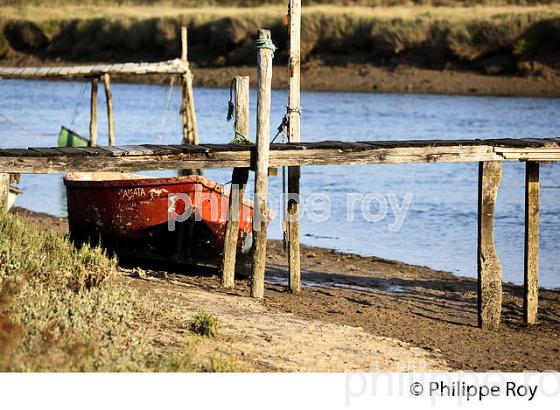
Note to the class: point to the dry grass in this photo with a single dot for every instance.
(60, 311)
(260, 3)
(203, 14)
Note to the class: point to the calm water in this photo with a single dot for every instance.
(440, 227)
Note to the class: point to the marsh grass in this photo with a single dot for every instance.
(27, 254)
(61, 310)
(131, 32)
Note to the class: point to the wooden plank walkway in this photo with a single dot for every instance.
(165, 157)
(176, 66)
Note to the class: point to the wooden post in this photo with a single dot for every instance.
(184, 45)
(188, 115)
(294, 114)
(4, 191)
(93, 113)
(109, 97)
(531, 276)
(489, 268)
(238, 183)
(264, 80)
(190, 132)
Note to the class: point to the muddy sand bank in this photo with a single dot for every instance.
(356, 312)
(370, 78)
(402, 79)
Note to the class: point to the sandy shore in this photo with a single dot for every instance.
(355, 312)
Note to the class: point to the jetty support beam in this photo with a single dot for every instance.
(238, 183)
(489, 268)
(4, 190)
(531, 271)
(109, 97)
(188, 115)
(260, 222)
(93, 113)
(294, 116)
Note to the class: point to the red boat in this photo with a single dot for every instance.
(133, 216)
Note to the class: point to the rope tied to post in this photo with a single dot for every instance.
(239, 138)
(285, 120)
(265, 43)
(231, 107)
(282, 130)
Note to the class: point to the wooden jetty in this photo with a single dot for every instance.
(490, 154)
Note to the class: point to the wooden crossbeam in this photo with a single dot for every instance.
(166, 67)
(167, 157)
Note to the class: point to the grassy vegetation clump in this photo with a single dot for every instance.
(205, 324)
(49, 259)
(60, 310)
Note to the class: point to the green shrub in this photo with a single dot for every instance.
(205, 324)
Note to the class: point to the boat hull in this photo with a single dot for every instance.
(140, 216)
(69, 138)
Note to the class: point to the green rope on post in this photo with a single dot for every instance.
(240, 139)
(265, 43)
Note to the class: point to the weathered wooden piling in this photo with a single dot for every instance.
(238, 183)
(4, 190)
(188, 115)
(531, 271)
(260, 230)
(93, 113)
(109, 98)
(294, 114)
(489, 268)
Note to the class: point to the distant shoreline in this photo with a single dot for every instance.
(504, 50)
